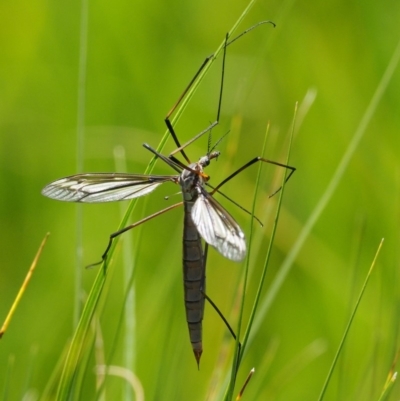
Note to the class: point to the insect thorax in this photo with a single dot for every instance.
(189, 181)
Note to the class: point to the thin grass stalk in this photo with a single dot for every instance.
(24, 286)
(80, 145)
(358, 234)
(238, 357)
(269, 251)
(114, 343)
(86, 358)
(129, 287)
(47, 394)
(346, 332)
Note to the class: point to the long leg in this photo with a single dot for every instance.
(171, 160)
(235, 203)
(212, 125)
(203, 65)
(211, 302)
(250, 163)
(127, 228)
(220, 314)
(167, 120)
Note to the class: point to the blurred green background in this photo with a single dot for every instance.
(140, 57)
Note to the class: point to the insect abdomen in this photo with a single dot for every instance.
(194, 281)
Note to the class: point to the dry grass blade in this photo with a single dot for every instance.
(239, 396)
(125, 374)
(392, 377)
(23, 287)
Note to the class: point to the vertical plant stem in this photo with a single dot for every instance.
(80, 137)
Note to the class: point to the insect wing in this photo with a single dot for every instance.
(103, 187)
(218, 228)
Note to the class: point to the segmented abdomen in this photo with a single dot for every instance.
(194, 280)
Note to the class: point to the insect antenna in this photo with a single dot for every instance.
(217, 143)
(248, 30)
(209, 149)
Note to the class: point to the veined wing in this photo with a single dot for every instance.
(218, 228)
(103, 187)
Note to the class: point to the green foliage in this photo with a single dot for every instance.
(332, 57)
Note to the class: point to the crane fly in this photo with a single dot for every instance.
(204, 217)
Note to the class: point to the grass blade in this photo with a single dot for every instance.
(346, 332)
(238, 357)
(23, 287)
(80, 145)
(250, 375)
